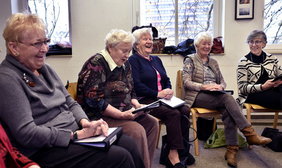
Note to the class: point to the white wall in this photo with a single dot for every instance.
(5, 12)
(92, 20)
(235, 35)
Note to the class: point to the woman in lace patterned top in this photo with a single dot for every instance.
(255, 74)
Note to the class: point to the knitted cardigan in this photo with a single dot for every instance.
(145, 76)
(249, 72)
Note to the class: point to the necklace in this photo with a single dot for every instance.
(30, 83)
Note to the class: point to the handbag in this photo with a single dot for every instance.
(186, 47)
(204, 128)
(217, 46)
(185, 157)
(158, 45)
(275, 136)
(217, 139)
(169, 49)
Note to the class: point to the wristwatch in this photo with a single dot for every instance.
(74, 135)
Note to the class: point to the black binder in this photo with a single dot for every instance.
(101, 141)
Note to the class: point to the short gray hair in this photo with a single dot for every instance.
(202, 36)
(257, 34)
(138, 33)
(117, 36)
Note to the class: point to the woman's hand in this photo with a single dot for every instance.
(84, 123)
(213, 87)
(136, 104)
(166, 93)
(277, 83)
(101, 127)
(93, 128)
(269, 84)
(120, 115)
(216, 87)
(128, 115)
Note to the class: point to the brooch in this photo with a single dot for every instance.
(30, 83)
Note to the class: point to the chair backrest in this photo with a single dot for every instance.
(72, 89)
(179, 83)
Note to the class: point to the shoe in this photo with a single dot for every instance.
(185, 154)
(168, 164)
(230, 155)
(253, 138)
(190, 159)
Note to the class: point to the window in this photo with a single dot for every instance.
(55, 14)
(178, 20)
(273, 21)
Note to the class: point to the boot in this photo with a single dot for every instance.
(253, 138)
(230, 155)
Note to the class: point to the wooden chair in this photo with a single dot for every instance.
(250, 108)
(196, 112)
(72, 89)
(159, 133)
(202, 112)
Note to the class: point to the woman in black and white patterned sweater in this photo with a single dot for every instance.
(256, 72)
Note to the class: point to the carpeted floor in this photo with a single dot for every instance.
(258, 156)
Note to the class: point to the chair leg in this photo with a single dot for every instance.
(249, 115)
(196, 142)
(275, 120)
(214, 123)
(160, 127)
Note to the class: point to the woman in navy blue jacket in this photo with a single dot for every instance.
(152, 83)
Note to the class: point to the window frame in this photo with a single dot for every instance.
(55, 49)
(272, 48)
(217, 19)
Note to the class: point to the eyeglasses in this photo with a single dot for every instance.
(255, 42)
(38, 44)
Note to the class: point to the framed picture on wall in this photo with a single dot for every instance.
(244, 9)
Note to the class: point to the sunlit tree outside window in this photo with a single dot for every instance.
(55, 14)
(177, 20)
(273, 21)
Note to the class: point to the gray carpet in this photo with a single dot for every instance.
(258, 156)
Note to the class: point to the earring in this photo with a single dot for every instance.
(16, 54)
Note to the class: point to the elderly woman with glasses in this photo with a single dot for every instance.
(105, 90)
(38, 114)
(204, 83)
(256, 73)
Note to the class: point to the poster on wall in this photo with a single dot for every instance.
(244, 9)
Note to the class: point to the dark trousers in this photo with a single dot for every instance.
(269, 98)
(123, 154)
(232, 115)
(177, 126)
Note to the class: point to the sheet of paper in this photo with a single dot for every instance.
(173, 102)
